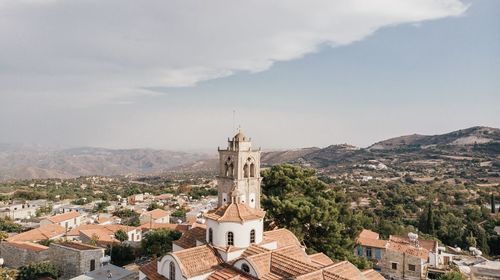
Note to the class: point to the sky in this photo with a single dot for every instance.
(171, 74)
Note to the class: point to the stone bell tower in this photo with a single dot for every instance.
(239, 170)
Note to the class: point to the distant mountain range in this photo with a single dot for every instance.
(19, 162)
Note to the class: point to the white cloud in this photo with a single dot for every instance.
(94, 51)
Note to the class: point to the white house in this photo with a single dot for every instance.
(67, 220)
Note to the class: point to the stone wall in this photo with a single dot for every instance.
(15, 256)
(73, 262)
(403, 261)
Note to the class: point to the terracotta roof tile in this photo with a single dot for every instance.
(295, 252)
(229, 273)
(63, 217)
(370, 242)
(283, 237)
(342, 270)
(430, 245)
(366, 233)
(29, 246)
(371, 274)
(189, 238)
(235, 212)
(157, 213)
(406, 247)
(41, 233)
(261, 263)
(288, 267)
(253, 250)
(321, 259)
(151, 271)
(197, 261)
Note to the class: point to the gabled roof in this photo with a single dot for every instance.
(156, 213)
(370, 238)
(321, 259)
(197, 261)
(189, 238)
(44, 232)
(110, 228)
(63, 217)
(283, 237)
(229, 273)
(342, 270)
(430, 245)
(235, 212)
(407, 248)
(371, 274)
(151, 270)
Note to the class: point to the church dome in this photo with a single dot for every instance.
(240, 136)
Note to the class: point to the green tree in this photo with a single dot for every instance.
(3, 235)
(121, 254)
(121, 235)
(492, 201)
(452, 275)
(159, 242)
(154, 205)
(296, 199)
(430, 220)
(35, 271)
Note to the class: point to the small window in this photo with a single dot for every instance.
(369, 253)
(172, 271)
(230, 239)
(360, 250)
(252, 236)
(412, 267)
(210, 235)
(92, 265)
(245, 268)
(394, 266)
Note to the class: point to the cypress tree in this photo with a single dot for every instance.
(493, 207)
(430, 219)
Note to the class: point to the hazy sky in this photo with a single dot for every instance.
(168, 74)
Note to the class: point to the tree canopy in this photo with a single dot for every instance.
(159, 242)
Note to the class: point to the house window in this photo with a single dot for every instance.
(245, 268)
(378, 254)
(133, 237)
(252, 236)
(92, 265)
(394, 266)
(360, 250)
(369, 253)
(252, 170)
(210, 235)
(411, 267)
(230, 239)
(172, 271)
(246, 171)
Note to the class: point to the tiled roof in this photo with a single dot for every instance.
(229, 273)
(366, 233)
(370, 242)
(44, 232)
(78, 246)
(178, 227)
(103, 235)
(235, 212)
(157, 213)
(371, 274)
(63, 217)
(407, 248)
(370, 238)
(282, 236)
(253, 250)
(151, 270)
(289, 267)
(342, 270)
(261, 263)
(321, 259)
(189, 238)
(430, 245)
(110, 228)
(197, 261)
(295, 252)
(28, 246)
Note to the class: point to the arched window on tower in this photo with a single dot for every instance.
(245, 170)
(245, 268)
(210, 235)
(230, 239)
(231, 170)
(226, 169)
(252, 170)
(252, 236)
(172, 270)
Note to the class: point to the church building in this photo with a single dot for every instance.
(232, 244)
